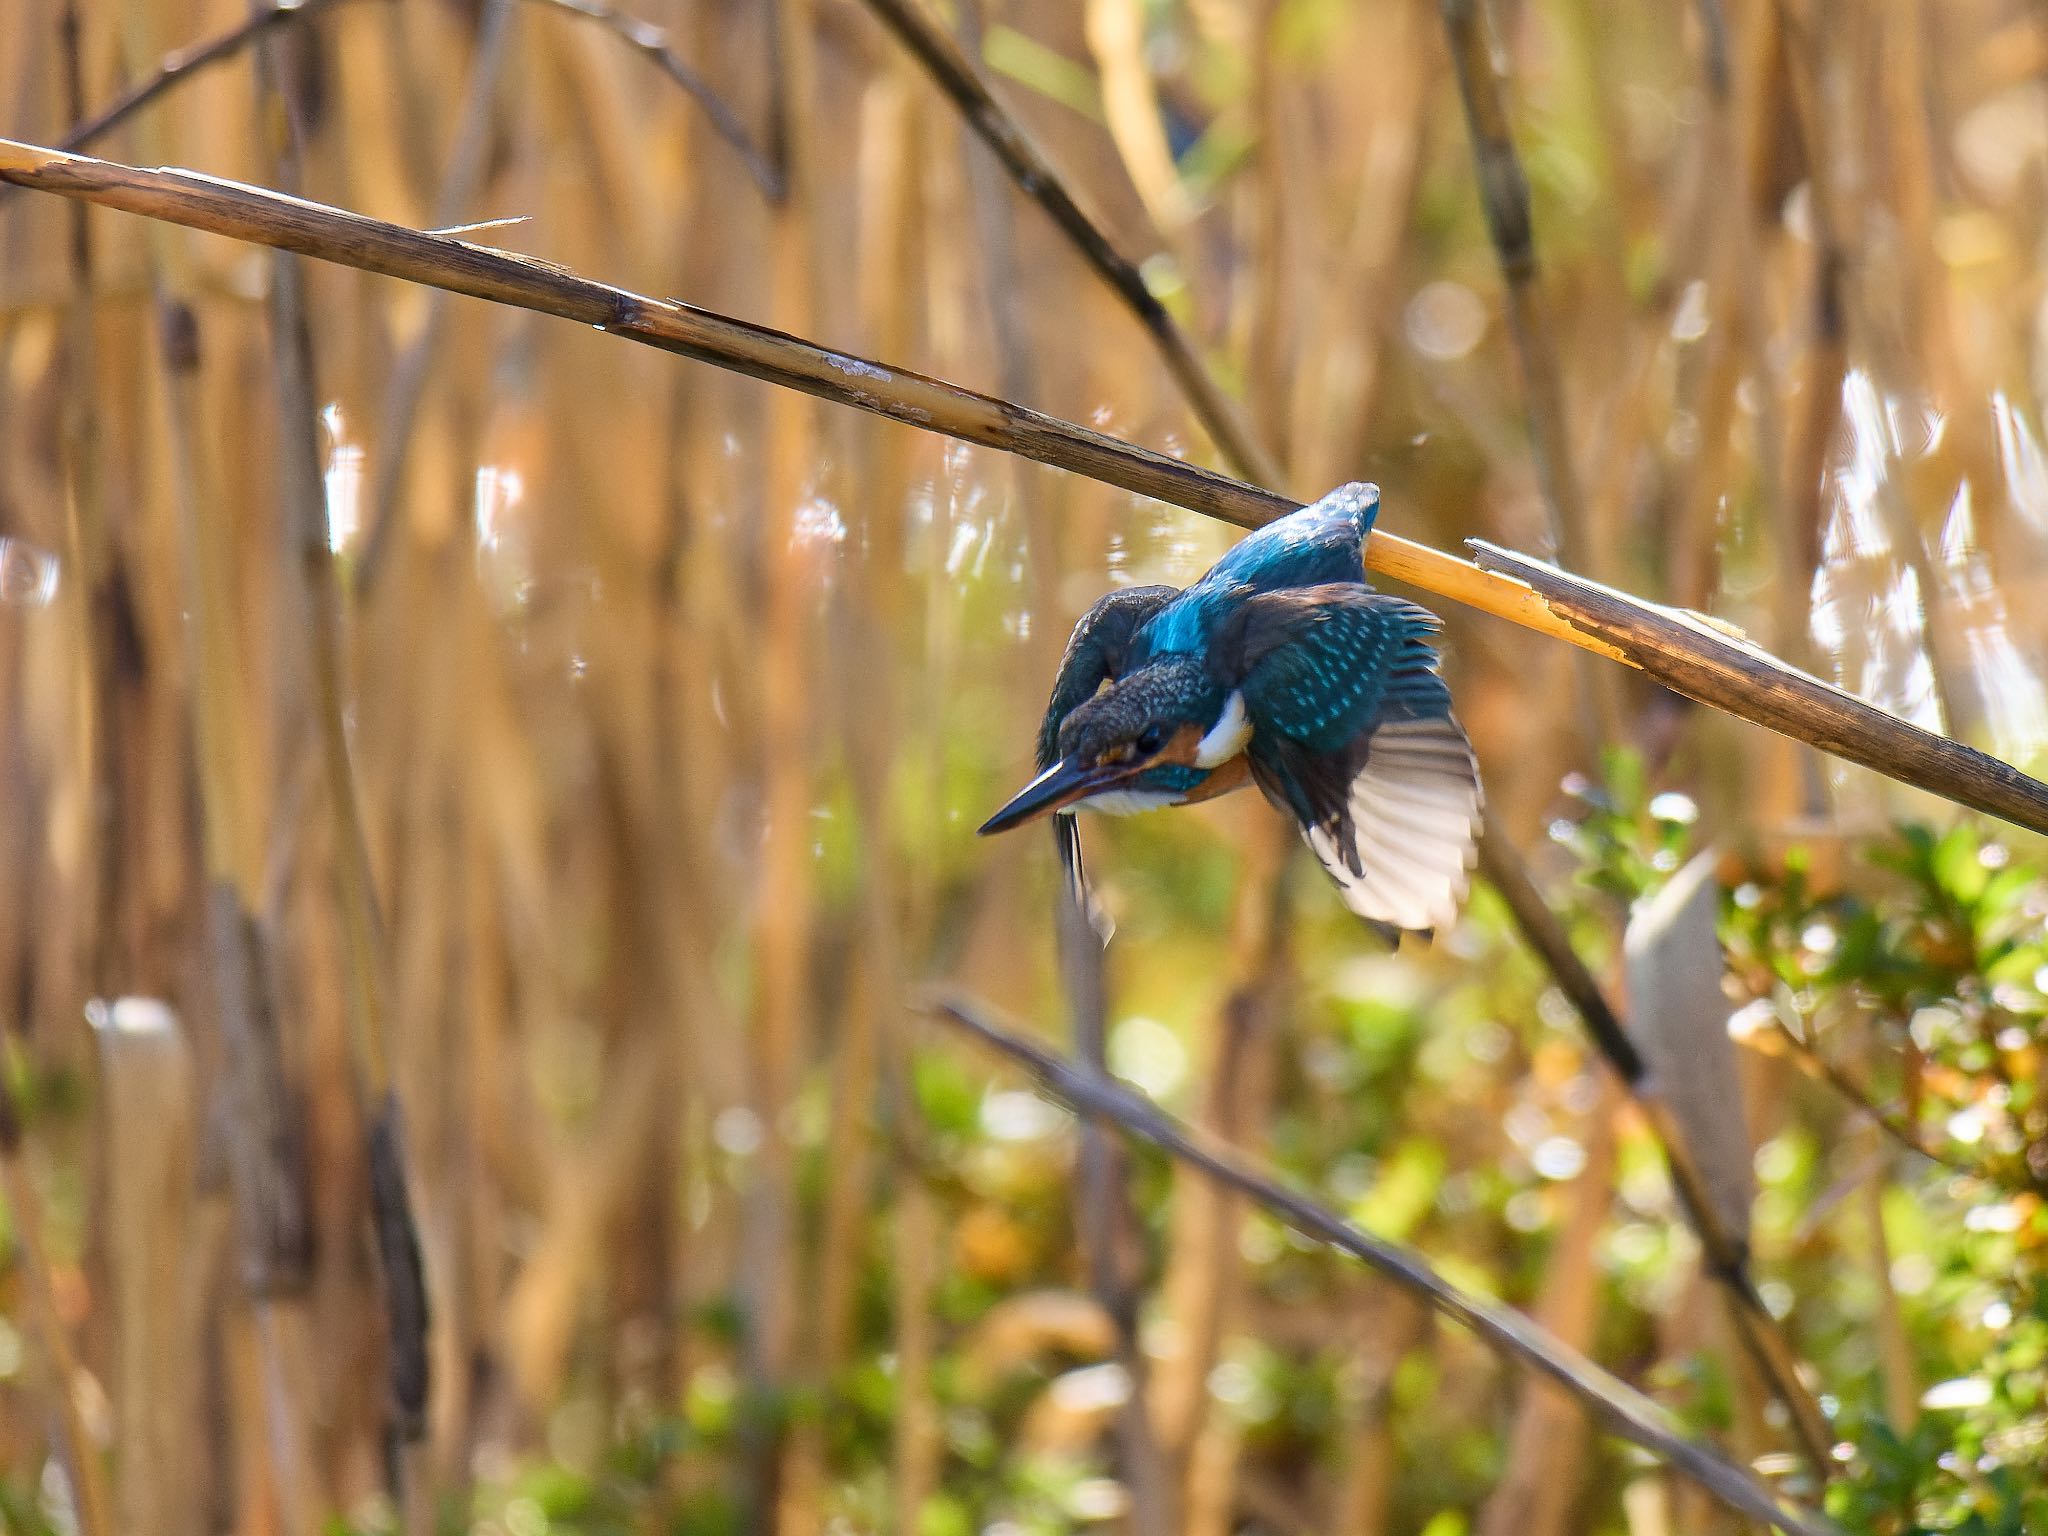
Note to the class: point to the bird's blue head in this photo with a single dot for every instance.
(1155, 737)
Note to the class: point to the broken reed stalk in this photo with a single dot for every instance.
(1727, 1258)
(644, 38)
(1625, 1411)
(1693, 656)
(1681, 651)
(953, 72)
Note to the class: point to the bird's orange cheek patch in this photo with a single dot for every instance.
(1183, 748)
(1233, 774)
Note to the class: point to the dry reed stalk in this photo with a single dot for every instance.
(1504, 195)
(150, 1113)
(1204, 1262)
(889, 173)
(1267, 310)
(265, 1142)
(1688, 655)
(1339, 379)
(252, 214)
(1212, 1298)
(95, 553)
(918, 1435)
(1623, 1410)
(784, 1468)
(866, 631)
(1547, 1446)
(952, 70)
(1826, 354)
(1104, 1220)
(460, 182)
(364, 952)
(1018, 374)
(1364, 1492)
(1116, 38)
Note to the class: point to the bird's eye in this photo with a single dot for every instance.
(1151, 739)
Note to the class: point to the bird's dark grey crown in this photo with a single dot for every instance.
(1167, 692)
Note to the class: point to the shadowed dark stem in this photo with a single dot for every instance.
(1107, 1223)
(363, 948)
(1727, 1259)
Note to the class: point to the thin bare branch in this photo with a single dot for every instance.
(954, 73)
(1727, 1256)
(1624, 1410)
(652, 43)
(644, 38)
(186, 62)
(1810, 1060)
(1681, 651)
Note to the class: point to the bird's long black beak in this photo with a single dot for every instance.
(1059, 786)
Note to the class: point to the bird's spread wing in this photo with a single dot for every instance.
(1095, 655)
(1352, 732)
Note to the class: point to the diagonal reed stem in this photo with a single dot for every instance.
(1622, 1408)
(1683, 652)
(1036, 177)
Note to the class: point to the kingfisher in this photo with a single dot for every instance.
(1282, 668)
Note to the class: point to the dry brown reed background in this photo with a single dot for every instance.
(537, 773)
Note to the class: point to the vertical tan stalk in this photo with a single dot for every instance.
(871, 1023)
(363, 951)
(1548, 1444)
(1103, 1218)
(158, 1245)
(460, 183)
(95, 555)
(1504, 195)
(1205, 1266)
(265, 1140)
(1367, 1486)
(1826, 349)
(782, 1493)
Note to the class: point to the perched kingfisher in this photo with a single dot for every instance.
(1282, 668)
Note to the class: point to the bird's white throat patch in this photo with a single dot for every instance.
(1128, 802)
(1227, 736)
